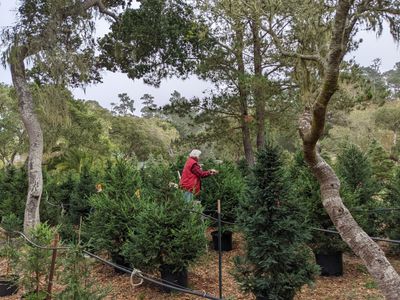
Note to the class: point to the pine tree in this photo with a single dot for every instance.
(358, 188)
(381, 163)
(149, 107)
(392, 200)
(85, 187)
(277, 262)
(113, 209)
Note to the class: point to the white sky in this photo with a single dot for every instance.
(114, 83)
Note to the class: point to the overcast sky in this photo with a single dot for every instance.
(114, 83)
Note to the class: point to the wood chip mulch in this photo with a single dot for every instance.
(355, 284)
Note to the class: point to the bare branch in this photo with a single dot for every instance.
(313, 57)
(100, 5)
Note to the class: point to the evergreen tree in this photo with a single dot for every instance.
(113, 209)
(149, 107)
(381, 164)
(85, 187)
(13, 186)
(392, 200)
(277, 262)
(358, 188)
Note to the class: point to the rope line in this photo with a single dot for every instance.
(373, 238)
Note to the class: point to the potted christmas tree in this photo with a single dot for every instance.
(166, 238)
(113, 209)
(227, 186)
(277, 262)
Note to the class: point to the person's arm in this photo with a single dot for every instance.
(196, 170)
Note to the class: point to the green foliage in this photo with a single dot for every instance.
(113, 209)
(228, 186)
(165, 233)
(381, 164)
(34, 264)
(273, 221)
(9, 247)
(306, 190)
(125, 107)
(13, 189)
(79, 206)
(139, 137)
(157, 176)
(392, 200)
(76, 277)
(153, 41)
(358, 187)
(12, 134)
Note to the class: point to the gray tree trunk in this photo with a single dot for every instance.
(35, 135)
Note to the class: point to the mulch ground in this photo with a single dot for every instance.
(355, 284)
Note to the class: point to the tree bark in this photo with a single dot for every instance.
(245, 119)
(257, 86)
(35, 135)
(311, 127)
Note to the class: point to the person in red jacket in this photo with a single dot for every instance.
(192, 174)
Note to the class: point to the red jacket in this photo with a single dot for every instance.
(191, 176)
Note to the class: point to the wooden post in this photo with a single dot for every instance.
(52, 266)
(219, 249)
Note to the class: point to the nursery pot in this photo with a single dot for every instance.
(8, 285)
(331, 264)
(168, 275)
(119, 260)
(226, 240)
(261, 298)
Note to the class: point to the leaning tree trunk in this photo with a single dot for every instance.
(35, 135)
(311, 129)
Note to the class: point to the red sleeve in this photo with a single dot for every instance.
(196, 170)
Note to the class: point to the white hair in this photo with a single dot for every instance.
(195, 153)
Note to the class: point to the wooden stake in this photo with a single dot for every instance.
(53, 265)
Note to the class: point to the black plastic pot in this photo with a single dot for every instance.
(8, 285)
(119, 260)
(261, 298)
(226, 240)
(331, 264)
(168, 275)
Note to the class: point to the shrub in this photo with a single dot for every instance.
(277, 263)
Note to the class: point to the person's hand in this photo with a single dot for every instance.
(213, 172)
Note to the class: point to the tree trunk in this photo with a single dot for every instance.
(257, 84)
(35, 135)
(245, 119)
